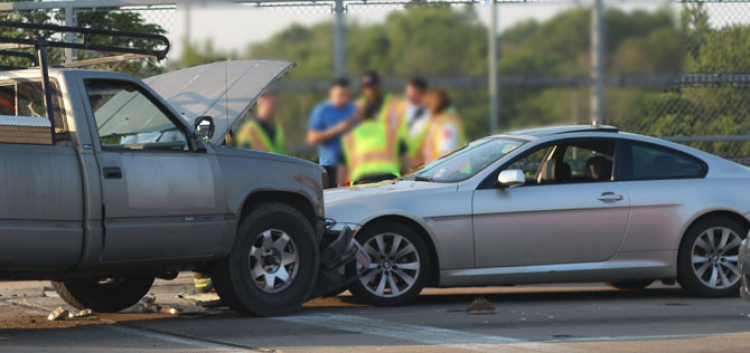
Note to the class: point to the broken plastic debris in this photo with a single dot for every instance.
(480, 305)
(166, 309)
(82, 313)
(58, 314)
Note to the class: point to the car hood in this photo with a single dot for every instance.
(386, 189)
(223, 90)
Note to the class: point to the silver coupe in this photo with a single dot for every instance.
(556, 204)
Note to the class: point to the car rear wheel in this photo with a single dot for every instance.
(399, 268)
(273, 265)
(105, 295)
(708, 260)
(632, 284)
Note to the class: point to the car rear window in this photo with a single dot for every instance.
(649, 162)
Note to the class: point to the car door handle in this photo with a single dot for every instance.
(112, 172)
(609, 197)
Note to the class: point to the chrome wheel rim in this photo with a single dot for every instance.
(274, 261)
(715, 257)
(394, 268)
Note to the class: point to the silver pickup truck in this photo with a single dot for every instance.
(107, 182)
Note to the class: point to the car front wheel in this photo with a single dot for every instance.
(708, 260)
(399, 268)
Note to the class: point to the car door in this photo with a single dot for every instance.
(161, 199)
(571, 210)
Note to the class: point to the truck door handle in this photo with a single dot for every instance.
(112, 172)
(609, 197)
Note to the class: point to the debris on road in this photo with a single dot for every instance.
(81, 314)
(208, 300)
(58, 314)
(480, 306)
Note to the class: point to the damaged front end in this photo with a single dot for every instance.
(744, 258)
(338, 249)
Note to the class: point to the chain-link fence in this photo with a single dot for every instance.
(675, 69)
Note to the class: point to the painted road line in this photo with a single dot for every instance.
(423, 334)
(179, 339)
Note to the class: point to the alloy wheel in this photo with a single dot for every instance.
(715, 257)
(394, 266)
(273, 261)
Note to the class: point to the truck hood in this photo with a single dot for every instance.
(223, 90)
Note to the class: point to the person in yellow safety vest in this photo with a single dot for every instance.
(445, 132)
(261, 133)
(373, 151)
(417, 119)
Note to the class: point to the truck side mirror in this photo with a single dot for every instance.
(204, 128)
(511, 178)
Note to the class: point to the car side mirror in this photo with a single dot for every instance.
(511, 178)
(204, 128)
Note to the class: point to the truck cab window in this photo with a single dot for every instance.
(128, 119)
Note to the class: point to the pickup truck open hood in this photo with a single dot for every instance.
(223, 90)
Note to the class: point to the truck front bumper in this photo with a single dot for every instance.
(744, 258)
(337, 250)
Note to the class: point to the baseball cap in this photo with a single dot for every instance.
(370, 79)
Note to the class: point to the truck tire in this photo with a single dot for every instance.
(273, 265)
(108, 295)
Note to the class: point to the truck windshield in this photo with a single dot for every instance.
(467, 161)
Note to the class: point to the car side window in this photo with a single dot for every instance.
(128, 119)
(530, 164)
(589, 161)
(650, 162)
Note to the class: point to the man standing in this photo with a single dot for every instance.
(374, 149)
(262, 133)
(417, 119)
(328, 122)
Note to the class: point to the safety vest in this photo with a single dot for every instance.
(416, 143)
(254, 137)
(372, 148)
(434, 139)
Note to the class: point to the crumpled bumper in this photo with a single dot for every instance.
(338, 249)
(745, 269)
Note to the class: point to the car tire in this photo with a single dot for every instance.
(108, 295)
(706, 257)
(631, 284)
(388, 268)
(272, 268)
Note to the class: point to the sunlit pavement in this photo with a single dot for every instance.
(585, 318)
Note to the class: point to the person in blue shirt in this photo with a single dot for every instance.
(328, 122)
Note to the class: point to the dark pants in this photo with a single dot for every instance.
(332, 171)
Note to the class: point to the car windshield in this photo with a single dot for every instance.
(467, 161)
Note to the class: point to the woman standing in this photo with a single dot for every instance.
(445, 132)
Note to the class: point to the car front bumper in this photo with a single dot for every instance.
(744, 258)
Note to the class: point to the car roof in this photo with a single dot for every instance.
(563, 129)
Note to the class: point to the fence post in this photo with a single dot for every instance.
(597, 63)
(339, 45)
(494, 90)
(70, 21)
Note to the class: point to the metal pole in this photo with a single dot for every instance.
(71, 21)
(494, 90)
(42, 52)
(597, 63)
(339, 37)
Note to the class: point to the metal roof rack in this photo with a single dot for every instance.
(9, 47)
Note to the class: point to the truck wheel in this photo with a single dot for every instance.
(273, 265)
(707, 262)
(105, 295)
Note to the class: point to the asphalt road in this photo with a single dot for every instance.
(582, 318)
